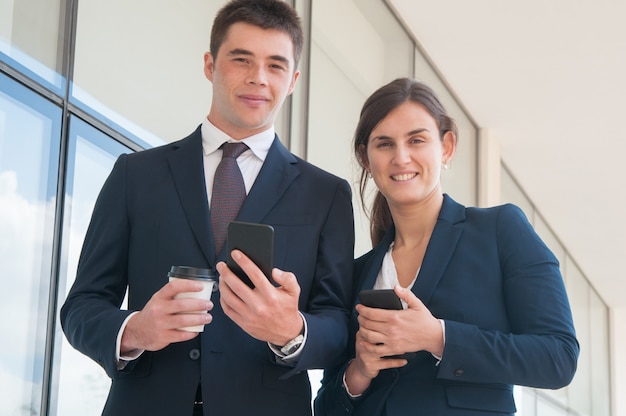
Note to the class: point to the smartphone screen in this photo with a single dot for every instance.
(257, 242)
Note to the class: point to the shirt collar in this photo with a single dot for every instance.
(213, 137)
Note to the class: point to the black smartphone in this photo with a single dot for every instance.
(257, 242)
(384, 299)
(380, 298)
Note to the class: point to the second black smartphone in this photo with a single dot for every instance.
(257, 242)
(384, 299)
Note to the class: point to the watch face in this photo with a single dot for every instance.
(292, 346)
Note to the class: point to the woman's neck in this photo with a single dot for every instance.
(415, 223)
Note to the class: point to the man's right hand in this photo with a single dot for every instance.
(156, 325)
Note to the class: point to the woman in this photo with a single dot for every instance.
(486, 307)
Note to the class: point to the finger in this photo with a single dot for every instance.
(255, 274)
(176, 286)
(191, 319)
(412, 301)
(187, 305)
(286, 280)
(369, 315)
(230, 284)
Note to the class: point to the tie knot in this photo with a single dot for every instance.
(233, 149)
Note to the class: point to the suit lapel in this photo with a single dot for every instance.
(186, 165)
(278, 172)
(440, 248)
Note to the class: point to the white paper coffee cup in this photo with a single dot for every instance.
(204, 276)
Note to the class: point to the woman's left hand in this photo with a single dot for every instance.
(391, 332)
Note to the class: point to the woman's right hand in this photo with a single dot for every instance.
(366, 365)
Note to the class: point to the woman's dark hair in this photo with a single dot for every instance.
(266, 14)
(376, 108)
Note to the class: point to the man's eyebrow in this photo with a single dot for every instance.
(239, 51)
(281, 59)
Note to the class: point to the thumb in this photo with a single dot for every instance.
(405, 294)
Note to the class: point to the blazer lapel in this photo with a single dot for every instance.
(375, 262)
(440, 248)
(186, 165)
(278, 172)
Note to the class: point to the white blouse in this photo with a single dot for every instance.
(388, 276)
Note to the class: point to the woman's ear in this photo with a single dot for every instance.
(448, 146)
(363, 157)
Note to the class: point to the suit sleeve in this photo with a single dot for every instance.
(541, 349)
(326, 312)
(91, 315)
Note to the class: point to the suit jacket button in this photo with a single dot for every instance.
(194, 354)
(458, 373)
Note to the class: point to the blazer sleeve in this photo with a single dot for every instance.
(540, 348)
(326, 312)
(91, 315)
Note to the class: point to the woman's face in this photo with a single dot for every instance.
(405, 155)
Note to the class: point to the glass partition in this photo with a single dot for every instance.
(141, 65)
(31, 39)
(80, 386)
(30, 132)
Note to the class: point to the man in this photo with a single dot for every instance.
(154, 212)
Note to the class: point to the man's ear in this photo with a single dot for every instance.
(208, 66)
(296, 74)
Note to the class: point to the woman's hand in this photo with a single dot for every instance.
(383, 333)
(392, 332)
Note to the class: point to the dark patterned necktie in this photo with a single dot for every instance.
(228, 194)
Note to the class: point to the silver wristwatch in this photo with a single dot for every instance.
(292, 346)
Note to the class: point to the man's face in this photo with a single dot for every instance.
(252, 75)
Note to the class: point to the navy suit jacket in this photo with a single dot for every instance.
(153, 213)
(499, 290)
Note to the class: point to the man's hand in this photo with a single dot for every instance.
(266, 312)
(156, 325)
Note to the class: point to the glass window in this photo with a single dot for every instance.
(30, 134)
(81, 386)
(141, 65)
(31, 38)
